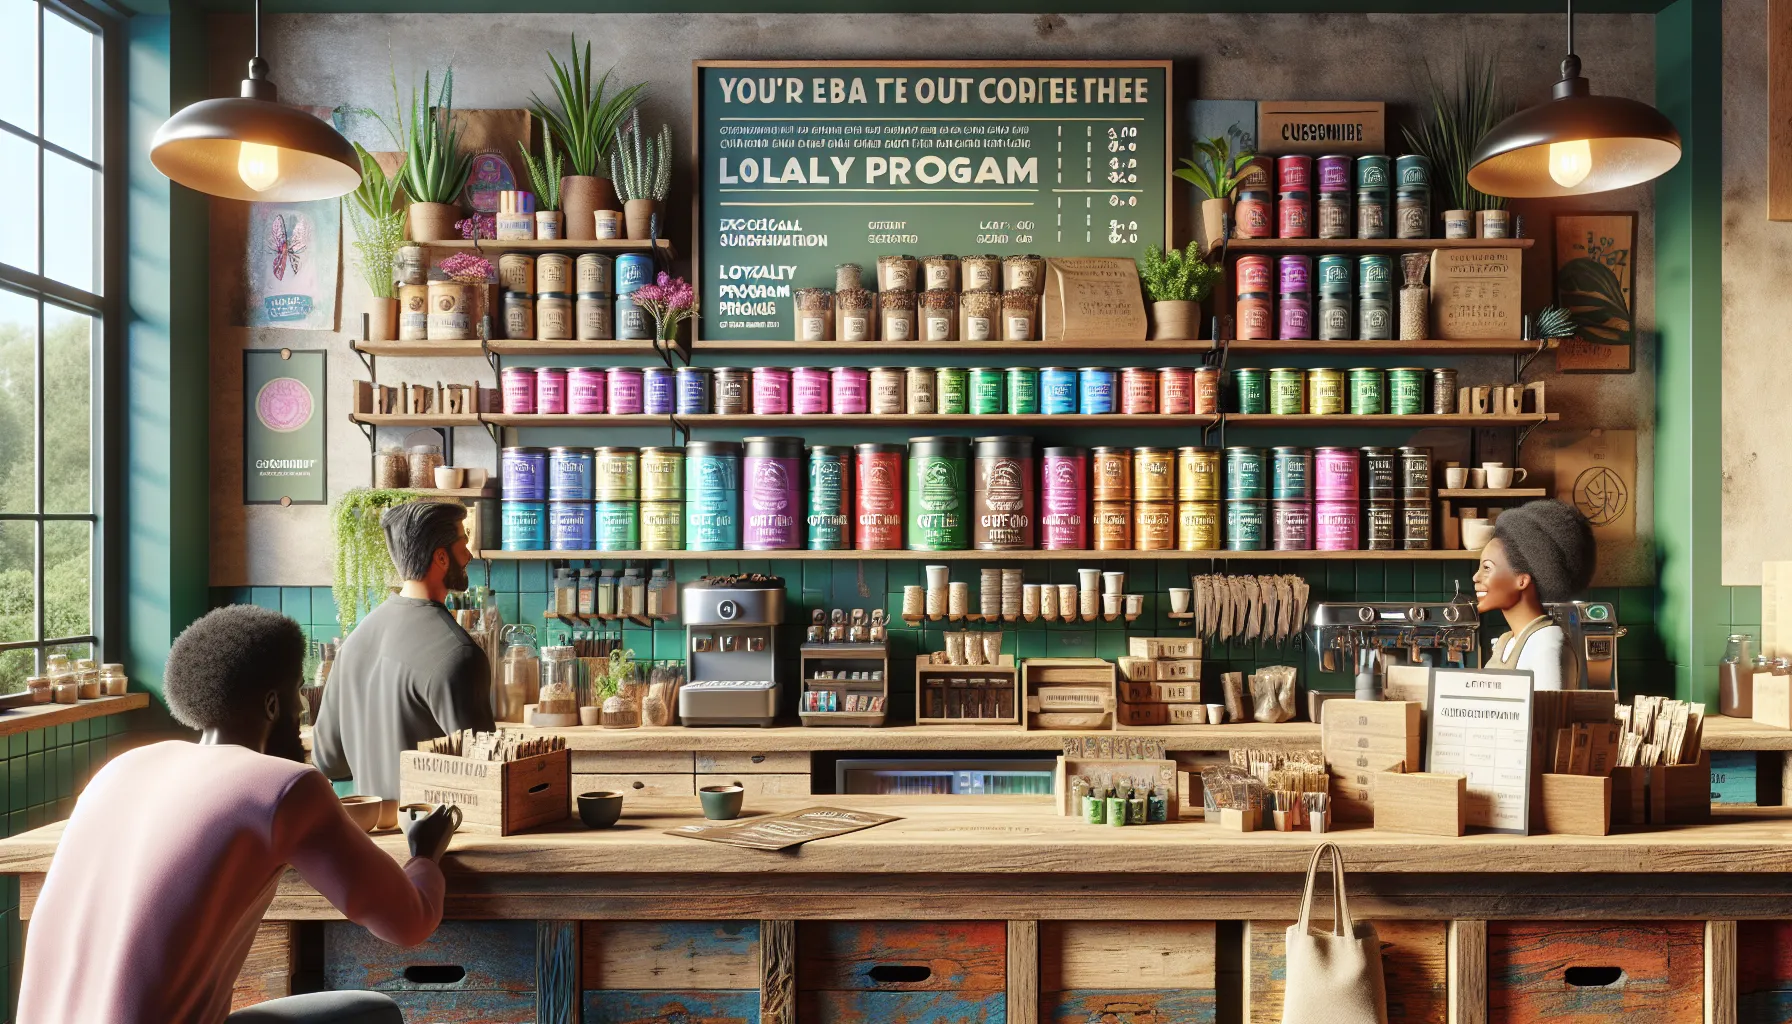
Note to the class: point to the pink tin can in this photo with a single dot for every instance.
(851, 390)
(624, 386)
(1335, 474)
(810, 391)
(550, 391)
(771, 390)
(519, 391)
(1064, 499)
(586, 389)
(1335, 525)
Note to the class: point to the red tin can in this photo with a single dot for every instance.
(1207, 391)
(1138, 391)
(1256, 275)
(877, 497)
(1294, 173)
(1176, 390)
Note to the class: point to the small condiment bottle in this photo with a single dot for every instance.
(1095, 806)
(1157, 807)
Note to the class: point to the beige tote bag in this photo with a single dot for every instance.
(1334, 977)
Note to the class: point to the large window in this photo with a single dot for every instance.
(56, 306)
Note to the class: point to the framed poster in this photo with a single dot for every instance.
(283, 427)
(1595, 279)
(290, 264)
(1481, 728)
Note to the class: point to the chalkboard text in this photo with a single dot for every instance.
(988, 90)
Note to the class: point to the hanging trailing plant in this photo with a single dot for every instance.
(364, 572)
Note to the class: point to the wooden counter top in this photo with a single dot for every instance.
(1723, 733)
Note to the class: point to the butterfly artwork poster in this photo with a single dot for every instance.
(292, 264)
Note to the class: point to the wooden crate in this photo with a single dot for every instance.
(1590, 972)
(467, 972)
(1078, 693)
(845, 658)
(1002, 686)
(1127, 972)
(1361, 738)
(1422, 803)
(1763, 972)
(1139, 773)
(495, 797)
(1680, 794)
(1413, 962)
(1573, 805)
(858, 972)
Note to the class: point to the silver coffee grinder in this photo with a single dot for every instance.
(733, 670)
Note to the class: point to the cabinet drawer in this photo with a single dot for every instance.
(631, 762)
(760, 785)
(668, 955)
(714, 1007)
(902, 1007)
(267, 974)
(789, 762)
(1763, 972)
(1129, 1006)
(1413, 959)
(1572, 972)
(633, 785)
(462, 956)
(467, 1007)
(902, 956)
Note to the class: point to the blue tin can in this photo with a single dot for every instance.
(632, 322)
(1095, 390)
(569, 474)
(523, 475)
(1057, 390)
(658, 391)
(569, 526)
(635, 269)
(693, 386)
(616, 525)
(524, 525)
(1291, 474)
(712, 495)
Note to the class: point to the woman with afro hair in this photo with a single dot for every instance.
(1541, 553)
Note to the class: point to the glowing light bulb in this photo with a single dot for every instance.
(259, 165)
(1570, 162)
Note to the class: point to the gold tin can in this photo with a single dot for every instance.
(413, 312)
(615, 474)
(1113, 474)
(1328, 391)
(1198, 474)
(662, 526)
(553, 273)
(1153, 474)
(1153, 526)
(1112, 522)
(1198, 526)
(662, 474)
(921, 395)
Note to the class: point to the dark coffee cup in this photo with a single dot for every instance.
(721, 803)
(410, 814)
(600, 809)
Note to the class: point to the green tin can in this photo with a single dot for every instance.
(1116, 811)
(1246, 476)
(952, 390)
(830, 518)
(1023, 390)
(1375, 275)
(1326, 391)
(1245, 525)
(1287, 391)
(1406, 390)
(617, 525)
(989, 386)
(938, 513)
(1095, 810)
(1251, 387)
(662, 526)
(1336, 278)
(1368, 391)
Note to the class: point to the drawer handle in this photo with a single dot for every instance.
(900, 974)
(758, 758)
(639, 784)
(538, 788)
(435, 974)
(1593, 977)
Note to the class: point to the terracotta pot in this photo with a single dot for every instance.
(382, 319)
(1215, 214)
(1175, 321)
(639, 214)
(549, 224)
(581, 196)
(434, 222)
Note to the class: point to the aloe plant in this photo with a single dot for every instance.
(544, 174)
(1218, 178)
(377, 212)
(434, 169)
(643, 167)
(586, 121)
(1459, 118)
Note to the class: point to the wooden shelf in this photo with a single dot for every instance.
(1234, 419)
(600, 420)
(993, 421)
(1725, 733)
(978, 556)
(517, 347)
(1238, 245)
(462, 493)
(555, 245)
(1469, 347)
(418, 349)
(1198, 347)
(1492, 492)
(470, 419)
(43, 716)
(967, 737)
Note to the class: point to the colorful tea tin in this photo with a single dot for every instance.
(616, 525)
(523, 525)
(1057, 391)
(569, 526)
(1246, 526)
(1368, 391)
(712, 495)
(1406, 390)
(1247, 477)
(569, 474)
(1095, 390)
(523, 474)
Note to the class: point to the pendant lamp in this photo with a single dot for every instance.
(1574, 144)
(254, 147)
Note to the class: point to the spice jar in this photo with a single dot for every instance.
(897, 309)
(1415, 297)
(939, 273)
(516, 272)
(852, 314)
(422, 461)
(814, 314)
(519, 316)
(87, 674)
(391, 468)
(979, 315)
(981, 273)
(1020, 315)
(1023, 273)
(848, 277)
(939, 314)
(895, 273)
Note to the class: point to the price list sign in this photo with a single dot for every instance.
(806, 165)
(1481, 728)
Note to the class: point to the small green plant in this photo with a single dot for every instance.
(1218, 176)
(363, 571)
(1460, 116)
(586, 121)
(643, 166)
(377, 212)
(619, 669)
(1555, 322)
(1178, 275)
(544, 174)
(434, 168)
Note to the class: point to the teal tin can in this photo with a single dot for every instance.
(1245, 525)
(1287, 391)
(1375, 275)
(616, 525)
(952, 388)
(712, 495)
(1406, 390)
(989, 386)
(938, 495)
(1246, 476)
(524, 525)
(1336, 276)
(1250, 387)
(1412, 171)
(1023, 390)
(1368, 391)
(828, 512)
(1291, 473)
(1372, 172)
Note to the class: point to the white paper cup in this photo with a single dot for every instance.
(1179, 599)
(1216, 714)
(1048, 601)
(1088, 579)
(1113, 583)
(937, 575)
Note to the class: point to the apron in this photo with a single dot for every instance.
(1510, 661)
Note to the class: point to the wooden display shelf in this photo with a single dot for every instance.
(966, 736)
(992, 421)
(462, 493)
(1725, 733)
(1470, 347)
(470, 419)
(43, 716)
(418, 349)
(1194, 347)
(556, 245)
(1236, 419)
(1238, 245)
(1492, 492)
(601, 420)
(979, 556)
(548, 347)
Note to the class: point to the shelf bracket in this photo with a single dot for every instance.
(368, 430)
(494, 430)
(681, 431)
(1522, 361)
(1523, 433)
(491, 357)
(354, 344)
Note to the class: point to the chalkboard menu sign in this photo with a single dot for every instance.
(808, 164)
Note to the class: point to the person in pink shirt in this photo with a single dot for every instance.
(174, 849)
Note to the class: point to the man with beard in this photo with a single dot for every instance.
(408, 672)
(174, 850)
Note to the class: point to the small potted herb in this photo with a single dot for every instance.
(544, 177)
(1177, 282)
(434, 169)
(1217, 175)
(1459, 118)
(643, 176)
(586, 125)
(377, 213)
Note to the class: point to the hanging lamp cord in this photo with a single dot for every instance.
(1570, 63)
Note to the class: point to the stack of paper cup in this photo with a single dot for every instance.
(1067, 601)
(989, 593)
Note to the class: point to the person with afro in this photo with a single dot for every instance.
(1541, 553)
(174, 849)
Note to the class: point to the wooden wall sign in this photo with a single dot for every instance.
(1779, 109)
(1322, 126)
(1595, 281)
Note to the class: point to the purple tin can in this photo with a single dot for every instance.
(1295, 274)
(658, 393)
(1064, 499)
(1334, 174)
(569, 526)
(771, 390)
(1335, 474)
(586, 389)
(523, 474)
(625, 390)
(1291, 526)
(550, 391)
(850, 390)
(519, 391)
(1294, 317)
(1335, 525)
(772, 502)
(810, 391)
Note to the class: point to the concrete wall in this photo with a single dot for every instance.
(329, 60)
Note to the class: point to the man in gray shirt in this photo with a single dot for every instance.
(408, 672)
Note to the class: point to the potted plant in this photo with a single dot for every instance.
(434, 170)
(1177, 282)
(1554, 322)
(544, 177)
(364, 574)
(377, 213)
(608, 683)
(1458, 120)
(474, 276)
(670, 301)
(586, 124)
(1217, 179)
(643, 176)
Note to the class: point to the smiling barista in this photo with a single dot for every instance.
(1541, 553)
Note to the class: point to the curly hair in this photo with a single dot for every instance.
(222, 666)
(1552, 542)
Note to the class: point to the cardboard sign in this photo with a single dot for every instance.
(1477, 293)
(1321, 126)
(1093, 299)
(1597, 475)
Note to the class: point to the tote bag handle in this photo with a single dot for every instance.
(1342, 925)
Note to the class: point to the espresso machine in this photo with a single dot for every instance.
(1374, 639)
(733, 672)
(1592, 632)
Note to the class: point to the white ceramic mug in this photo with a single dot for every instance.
(1499, 477)
(1476, 533)
(1455, 477)
(1179, 598)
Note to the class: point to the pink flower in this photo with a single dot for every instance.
(468, 268)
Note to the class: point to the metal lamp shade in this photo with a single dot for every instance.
(1631, 143)
(199, 146)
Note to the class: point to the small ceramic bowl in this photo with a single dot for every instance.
(1476, 533)
(721, 803)
(600, 809)
(364, 811)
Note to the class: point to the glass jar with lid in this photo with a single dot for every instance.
(112, 681)
(423, 460)
(558, 704)
(87, 671)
